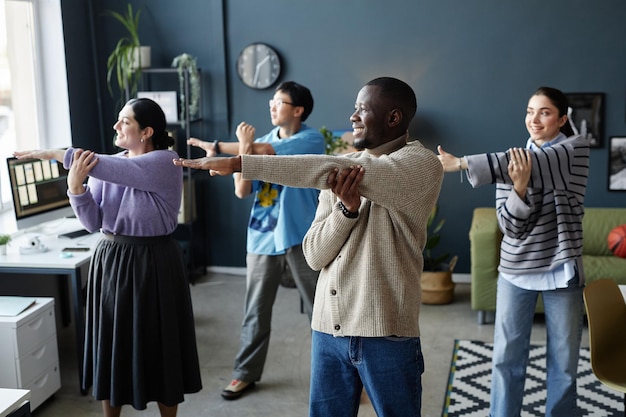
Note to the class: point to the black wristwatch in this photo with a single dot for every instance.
(216, 147)
(349, 214)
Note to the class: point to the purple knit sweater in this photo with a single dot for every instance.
(138, 196)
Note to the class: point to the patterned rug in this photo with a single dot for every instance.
(470, 379)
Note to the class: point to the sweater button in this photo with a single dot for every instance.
(333, 292)
(337, 327)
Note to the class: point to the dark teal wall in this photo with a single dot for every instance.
(473, 65)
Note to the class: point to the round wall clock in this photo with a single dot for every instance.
(258, 65)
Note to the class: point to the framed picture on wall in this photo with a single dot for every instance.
(586, 116)
(617, 163)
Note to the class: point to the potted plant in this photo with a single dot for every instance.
(334, 144)
(4, 240)
(437, 285)
(128, 57)
(185, 63)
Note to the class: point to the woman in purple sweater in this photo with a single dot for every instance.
(140, 342)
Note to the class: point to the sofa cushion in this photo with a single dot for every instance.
(611, 267)
(597, 223)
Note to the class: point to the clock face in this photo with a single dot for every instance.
(258, 66)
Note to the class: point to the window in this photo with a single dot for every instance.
(34, 107)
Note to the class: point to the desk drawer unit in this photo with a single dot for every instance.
(29, 357)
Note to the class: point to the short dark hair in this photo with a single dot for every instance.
(559, 99)
(300, 96)
(400, 93)
(149, 114)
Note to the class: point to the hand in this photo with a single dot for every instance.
(449, 162)
(519, 169)
(208, 147)
(245, 135)
(45, 154)
(345, 185)
(215, 166)
(82, 163)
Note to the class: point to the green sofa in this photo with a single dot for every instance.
(485, 238)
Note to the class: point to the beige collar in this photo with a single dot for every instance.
(390, 147)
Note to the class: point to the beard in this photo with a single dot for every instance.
(360, 144)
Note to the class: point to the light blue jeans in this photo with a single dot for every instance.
(390, 369)
(515, 308)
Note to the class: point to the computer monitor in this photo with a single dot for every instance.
(39, 191)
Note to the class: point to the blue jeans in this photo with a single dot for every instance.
(390, 369)
(515, 309)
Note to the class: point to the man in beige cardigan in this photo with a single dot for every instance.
(367, 240)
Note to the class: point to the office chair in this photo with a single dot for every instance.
(606, 317)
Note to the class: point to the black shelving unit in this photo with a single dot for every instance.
(167, 79)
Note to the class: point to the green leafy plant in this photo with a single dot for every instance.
(124, 62)
(431, 261)
(333, 143)
(187, 63)
(4, 239)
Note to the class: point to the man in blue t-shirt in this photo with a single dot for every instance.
(279, 219)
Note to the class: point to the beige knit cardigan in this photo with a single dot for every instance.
(369, 284)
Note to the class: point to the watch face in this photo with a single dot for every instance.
(258, 66)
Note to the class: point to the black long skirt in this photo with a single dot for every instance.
(140, 340)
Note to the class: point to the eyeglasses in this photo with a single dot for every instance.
(279, 102)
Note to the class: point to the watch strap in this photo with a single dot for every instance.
(349, 214)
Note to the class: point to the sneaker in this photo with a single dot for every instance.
(236, 388)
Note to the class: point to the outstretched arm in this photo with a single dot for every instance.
(215, 166)
(46, 154)
(450, 162)
(215, 147)
(234, 148)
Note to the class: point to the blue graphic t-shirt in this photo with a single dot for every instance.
(281, 216)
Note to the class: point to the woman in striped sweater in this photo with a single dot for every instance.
(540, 192)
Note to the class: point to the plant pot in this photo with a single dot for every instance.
(145, 53)
(437, 287)
(3, 250)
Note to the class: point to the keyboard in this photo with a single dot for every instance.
(74, 234)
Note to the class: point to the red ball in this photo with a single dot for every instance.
(617, 241)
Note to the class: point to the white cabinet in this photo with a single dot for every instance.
(29, 357)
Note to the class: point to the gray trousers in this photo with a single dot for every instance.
(263, 277)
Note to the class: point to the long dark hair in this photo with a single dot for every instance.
(149, 114)
(559, 100)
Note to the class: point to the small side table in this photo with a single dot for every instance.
(14, 402)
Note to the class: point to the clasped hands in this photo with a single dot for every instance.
(344, 183)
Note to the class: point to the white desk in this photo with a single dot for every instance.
(12, 400)
(52, 263)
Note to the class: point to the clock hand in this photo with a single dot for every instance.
(258, 68)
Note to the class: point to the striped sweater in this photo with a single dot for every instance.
(544, 231)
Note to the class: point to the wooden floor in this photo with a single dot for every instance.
(284, 389)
